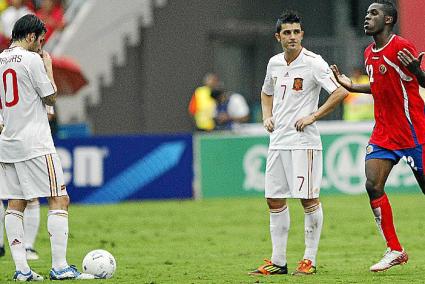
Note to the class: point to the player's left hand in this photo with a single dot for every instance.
(412, 63)
(303, 122)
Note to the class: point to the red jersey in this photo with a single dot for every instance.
(399, 109)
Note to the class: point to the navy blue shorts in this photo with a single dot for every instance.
(413, 156)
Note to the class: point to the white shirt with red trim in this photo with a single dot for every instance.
(295, 89)
(24, 81)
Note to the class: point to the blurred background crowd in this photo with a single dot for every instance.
(50, 11)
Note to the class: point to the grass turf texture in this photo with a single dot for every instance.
(221, 240)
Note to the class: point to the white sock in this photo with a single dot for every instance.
(15, 235)
(279, 228)
(31, 223)
(313, 221)
(378, 219)
(57, 226)
(1, 224)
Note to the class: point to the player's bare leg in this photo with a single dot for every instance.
(15, 234)
(279, 228)
(420, 177)
(377, 172)
(313, 221)
(31, 225)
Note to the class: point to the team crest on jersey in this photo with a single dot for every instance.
(369, 149)
(298, 84)
(383, 69)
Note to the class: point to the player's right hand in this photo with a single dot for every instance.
(269, 124)
(341, 78)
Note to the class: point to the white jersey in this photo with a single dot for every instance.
(295, 89)
(26, 133)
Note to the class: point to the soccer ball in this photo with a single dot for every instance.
(100, 263)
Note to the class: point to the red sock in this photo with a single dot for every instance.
(387, 224)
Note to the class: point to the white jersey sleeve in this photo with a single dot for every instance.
(268, 86)
(39, 78)
(323, 75)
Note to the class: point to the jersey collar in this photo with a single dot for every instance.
(380, 49)
(296, 58)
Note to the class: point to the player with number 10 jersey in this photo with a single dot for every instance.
(26, 134)
(29, 165)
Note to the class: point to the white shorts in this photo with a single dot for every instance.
(293, 174)
(38, 177)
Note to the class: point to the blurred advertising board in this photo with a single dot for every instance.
(233, 164)
(117, 168)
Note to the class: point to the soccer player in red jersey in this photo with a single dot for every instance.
(399, 130)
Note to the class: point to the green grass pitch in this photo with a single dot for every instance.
(220, 240)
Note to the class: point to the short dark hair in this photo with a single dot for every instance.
(389, 9)
(288, 17)
(26, 25)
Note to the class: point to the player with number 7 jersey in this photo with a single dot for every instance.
(289, 102)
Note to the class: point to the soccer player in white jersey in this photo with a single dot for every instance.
(29, 165)
(289, 100)
(31, 219)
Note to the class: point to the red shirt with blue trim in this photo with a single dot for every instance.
(399, 109)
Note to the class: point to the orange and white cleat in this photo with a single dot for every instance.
(391, 258)
(305, 267)
(270, 269)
